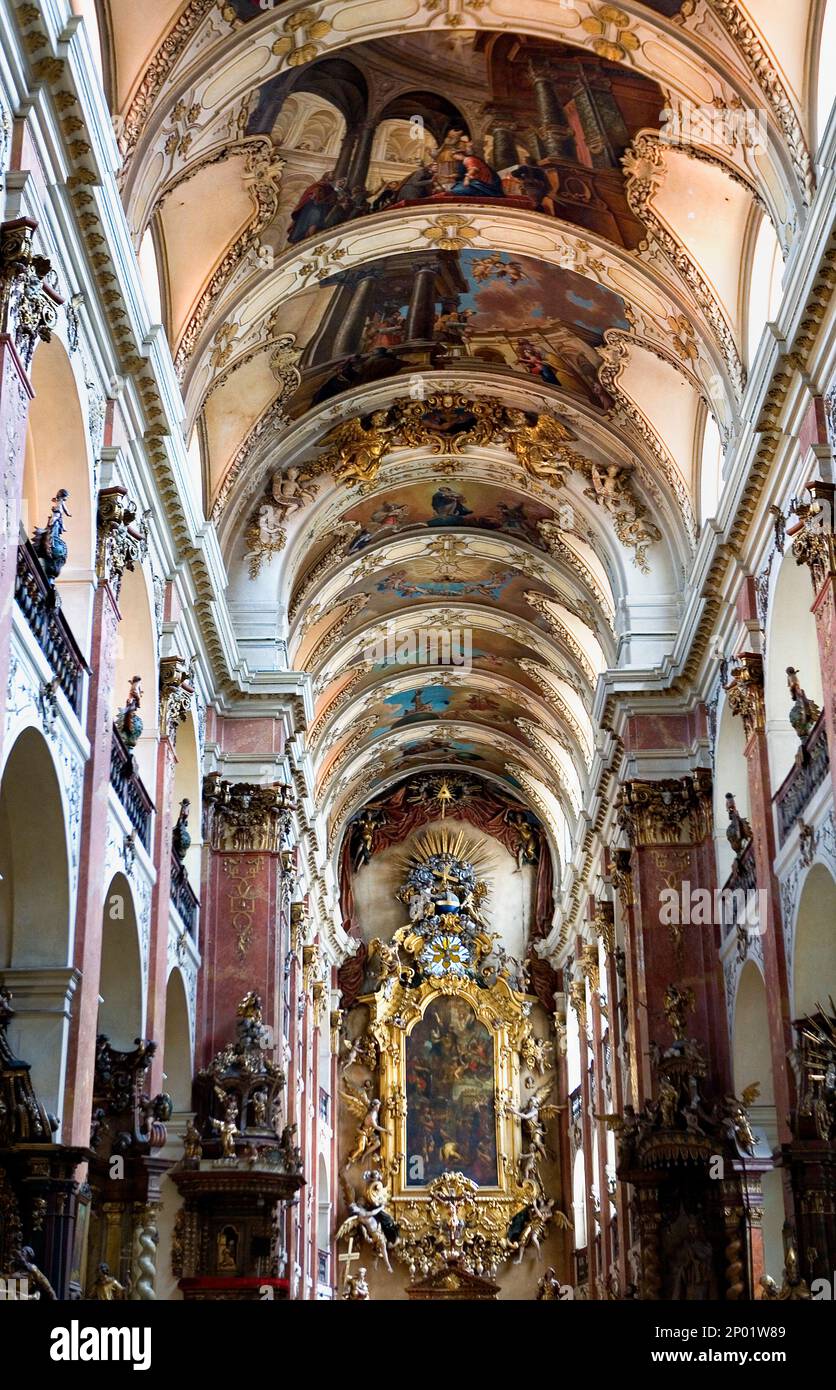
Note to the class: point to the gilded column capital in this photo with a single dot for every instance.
(814, 541)
(577, 998)
(620, 875)
(745, 691)
(28, 301)
(176, 692)
(665, 810)
(604, 924)
(121, 541)
(590, 967)
(247, 816)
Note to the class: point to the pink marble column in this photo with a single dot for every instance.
(245, 827)
(176, 693)
(669, 822)
(746, 700)
(119, 547)
(28, 310)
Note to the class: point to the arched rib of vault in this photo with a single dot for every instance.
(494, 547)
(611, 439)
(301, 582)
(499, 750)
(717, 57)
(533, 710)
(562, 655)
(653, 288)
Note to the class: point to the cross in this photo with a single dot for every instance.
(348, 1259)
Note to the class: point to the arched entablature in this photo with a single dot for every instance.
(719, 60)
(58, 455)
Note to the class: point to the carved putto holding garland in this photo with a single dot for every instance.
(442, 1160)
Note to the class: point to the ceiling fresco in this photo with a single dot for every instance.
(413, 313)
(525, 123)
(452, 330)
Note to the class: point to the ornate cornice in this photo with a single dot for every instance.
(765, 70)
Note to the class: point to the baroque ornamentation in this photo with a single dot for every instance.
(121, 541)
(657, 812)
(176, 692)
(28, 303)
(745, 691)
(245, 816)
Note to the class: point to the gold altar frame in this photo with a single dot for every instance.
(394, 1011)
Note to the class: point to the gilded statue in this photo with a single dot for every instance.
(536, 1053)
(369, 1216)
(106, 1288)
(530, 1225)
(356, 452)
(367, 1108)
(356, 1288)
(389, 965)
(540, 445)
(549, 1287)
(192, 1143)
(227, 1129)
(535, 1115)
(736, 1118)
(226, 1247)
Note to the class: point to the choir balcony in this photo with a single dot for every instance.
(183, 897)
(130, 790)
(802, 781)
(40, 605)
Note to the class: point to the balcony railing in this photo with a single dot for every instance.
(184, 897)
(797, 788)
(735, 893)
(127, 784)
(37, 602)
